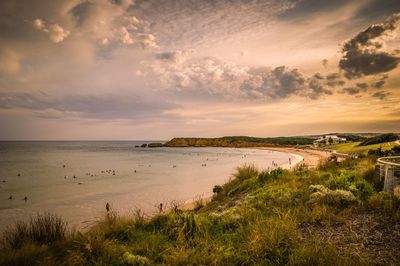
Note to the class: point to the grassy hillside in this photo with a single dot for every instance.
(380, 139)
(333, 215)
(237, 141)
(355, 147)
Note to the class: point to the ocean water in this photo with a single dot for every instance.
(116, 172)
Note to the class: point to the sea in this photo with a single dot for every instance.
(76, 179)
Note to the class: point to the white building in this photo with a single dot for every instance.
(329, 139)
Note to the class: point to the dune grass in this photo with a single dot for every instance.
(42, 229)
(257, 218)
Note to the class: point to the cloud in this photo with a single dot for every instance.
(364, 54)
(125, 36)
(317, 86)
(378, 8)
(381, 95)
(147, 40)
(351, 90)
(212, 77)
(334, 80)
(305, 8)
(38, 24)
(362, 86)
(56, 33)
(187, 24)
(110, 106)
(379, 84)
(110, 23)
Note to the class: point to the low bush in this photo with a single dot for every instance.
(348, 181)
(337, 198)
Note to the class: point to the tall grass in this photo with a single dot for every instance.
(42, 229)
(246, 172)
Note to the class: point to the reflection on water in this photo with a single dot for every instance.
(77, 179)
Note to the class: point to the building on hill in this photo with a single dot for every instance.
(328, 140)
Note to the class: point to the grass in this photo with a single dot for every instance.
(353, 147)
(43, 229)
(257, 218)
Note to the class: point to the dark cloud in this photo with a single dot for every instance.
(334, 80)
(318, 76)
(82, 12)
(381, 95)
(363, 55)
(304, 8)
(284, 82)
(86, 106)
(317, 86)
(351, 90)
(362, 86)
(378, 9)
(379, 84)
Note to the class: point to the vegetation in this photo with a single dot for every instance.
(279, 217)
(42, 229)
(380, 139)
(354, 147)
(237, 141)
(350, 137)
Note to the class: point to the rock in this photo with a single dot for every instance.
(155, 145)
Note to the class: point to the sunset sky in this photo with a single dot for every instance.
(154, 69)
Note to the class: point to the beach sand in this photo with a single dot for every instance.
(311, 157)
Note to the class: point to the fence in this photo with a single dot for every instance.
(388, 168)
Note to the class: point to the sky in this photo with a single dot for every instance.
(157, 69)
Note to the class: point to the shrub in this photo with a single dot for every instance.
(277, 173)
(43, 229)
(246, 172)
(135, 260)
(217, 189)
(263, 176)
(337, 198)
(359, 186)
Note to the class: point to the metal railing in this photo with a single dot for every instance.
(388, 169)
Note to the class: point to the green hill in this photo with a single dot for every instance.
(237, 141)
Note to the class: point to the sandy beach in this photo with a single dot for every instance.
(311, 157)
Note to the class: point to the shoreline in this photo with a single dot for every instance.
(311, 157)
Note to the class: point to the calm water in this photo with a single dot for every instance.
(36, 170)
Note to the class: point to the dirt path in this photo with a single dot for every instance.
(370, 234)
